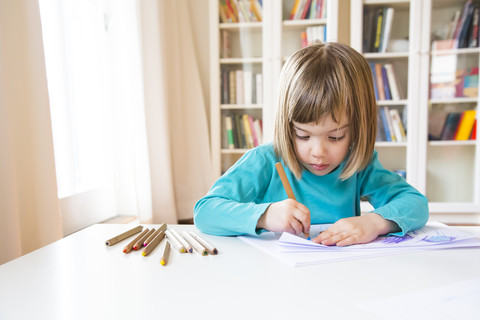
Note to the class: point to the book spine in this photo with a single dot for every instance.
(392, 82)
(239, 87)
(386, 84)
(258, 131)
(252, 130)
(398, 125)
(259, 88)
(374, 76)
(466, 125)
(384, 116)
(378, 30)
(229, 129)
(378, 73)
(248, 132)
(232, 86)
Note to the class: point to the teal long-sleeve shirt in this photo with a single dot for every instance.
(241, 195)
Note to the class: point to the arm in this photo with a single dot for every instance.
(249, 198)
(399, 208)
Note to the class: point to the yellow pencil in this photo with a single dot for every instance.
(122, 236)
(176, 243)
(162, 227)
(152, 244)
(287, 187)
(166, 251)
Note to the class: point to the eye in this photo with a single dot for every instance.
(336, 138)
(302, 137)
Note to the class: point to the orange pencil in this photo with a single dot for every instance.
(287, 187)
(129, 246)
(152, 244)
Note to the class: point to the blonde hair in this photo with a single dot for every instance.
(327, 79)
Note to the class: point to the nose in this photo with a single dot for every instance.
(319, 150)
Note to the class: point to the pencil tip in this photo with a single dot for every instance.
(144, 254)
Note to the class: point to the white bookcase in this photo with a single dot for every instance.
(261, 47)
(447, 172)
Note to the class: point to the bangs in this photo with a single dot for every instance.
(315, 95)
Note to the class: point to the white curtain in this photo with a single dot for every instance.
(175, 129)
(29, 211)
(175, 111)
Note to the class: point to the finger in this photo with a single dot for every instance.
(334, 239)
(353, 239)
(297, 226)
(304, 219)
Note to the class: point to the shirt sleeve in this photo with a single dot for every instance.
(231, 207)
(392, 197)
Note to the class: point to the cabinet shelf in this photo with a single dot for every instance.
(299, 24)
(254, 60)
(241, 107)
(452, 143)
(240, 26)
(386, 55)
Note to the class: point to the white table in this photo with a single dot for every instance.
(79, 277)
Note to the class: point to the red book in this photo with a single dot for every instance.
(473, 135)
(305, 9)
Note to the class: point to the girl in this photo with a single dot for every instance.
(324, 136)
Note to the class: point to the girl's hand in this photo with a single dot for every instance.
(287, 215)
(356, 230)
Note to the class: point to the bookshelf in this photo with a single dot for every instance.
(259, 48)
(446, 171)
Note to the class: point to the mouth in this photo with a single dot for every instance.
(318, 167)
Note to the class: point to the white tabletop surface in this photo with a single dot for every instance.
(79, 277)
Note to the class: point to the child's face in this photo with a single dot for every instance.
(322, 146)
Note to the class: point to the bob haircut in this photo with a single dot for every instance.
(327, 79)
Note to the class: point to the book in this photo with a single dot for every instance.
(374, 76)
(466, 125)
(258, 130)
(259, 88)
(229, 130)
(392, 82)
(225, 46)
(232, 87)
(239, 86)
(247, 86)
(386, 84)
(470, 83)
(450, 126)
(248, 131)
(452, 25)
(294, 10)
(240, 131)
(256, 8)
(473, 38)
(306, 9)
(384, 115)
(380, 86)
(461, 21)
(436, 121)
(465, 28)
(387, 28)
(473, 135)
(398, 126)
(378, 30)
(252, 130)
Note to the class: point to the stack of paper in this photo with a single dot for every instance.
(298, 251)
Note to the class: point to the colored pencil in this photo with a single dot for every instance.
(162, 227)
(166, 251)
(139, 243)
(211, 249)
(175, 242)
(129, 246)
(152, 244)
(122, 236)
(184, 243)
(198, 247)
(287, 187)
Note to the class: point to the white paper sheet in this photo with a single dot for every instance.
(297, 251)
(434, 235)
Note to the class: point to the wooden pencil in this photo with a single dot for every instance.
(211, 249)
(139, 243)
(175, 242)
(287, 187)
(162, 227)
(129, 246)
(166, 251)
(184, 243)
(198, 246)
(122, 236)
(152, 244)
